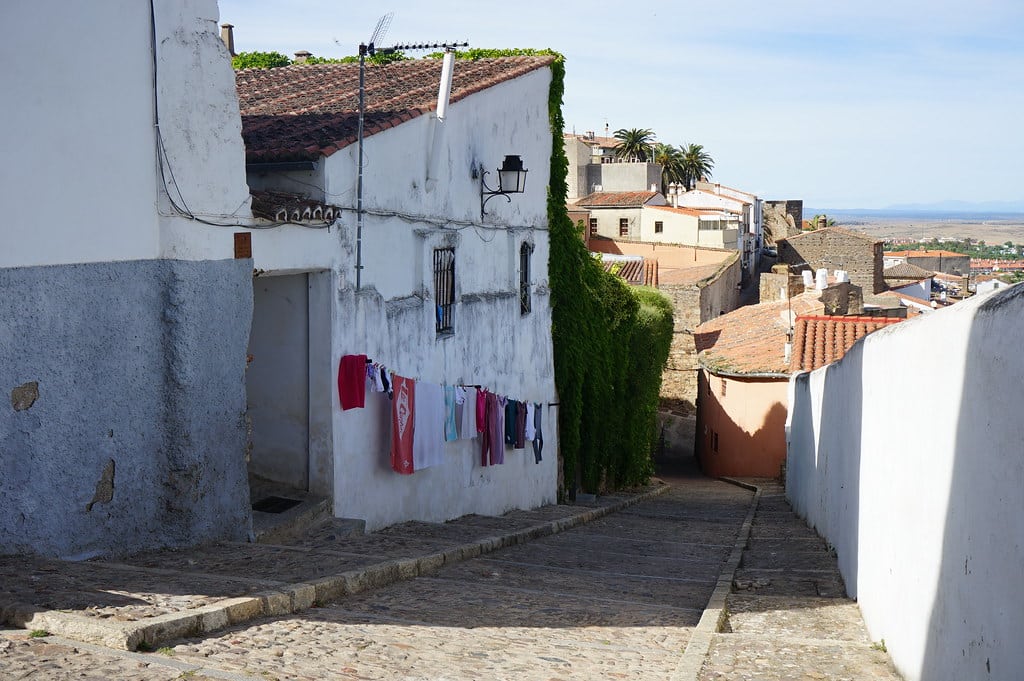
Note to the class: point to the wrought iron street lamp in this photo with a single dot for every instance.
(511, 180)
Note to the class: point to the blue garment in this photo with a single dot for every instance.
(450, 432)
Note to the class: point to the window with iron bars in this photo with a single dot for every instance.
(623, 227)
(593, 226)
(525, 303)
(444, 288)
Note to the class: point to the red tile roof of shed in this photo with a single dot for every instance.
(302, 112)
(611, 199)
(821, 340)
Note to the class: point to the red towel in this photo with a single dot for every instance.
(403, 416)
(352, 381)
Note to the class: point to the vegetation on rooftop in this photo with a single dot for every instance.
(271, 60)
(685, 164)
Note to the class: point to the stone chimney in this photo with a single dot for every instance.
(301, 56)
(227, 34)
(843, 299)
(822, 222)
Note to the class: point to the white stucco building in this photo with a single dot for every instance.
(421, 200)
(746, 206)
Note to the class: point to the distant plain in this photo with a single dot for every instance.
(990, 228)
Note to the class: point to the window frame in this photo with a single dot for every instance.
(525, 285)
(444, 290)
(623, 226)
(659, 227)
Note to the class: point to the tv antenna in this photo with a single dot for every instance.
(370, 48)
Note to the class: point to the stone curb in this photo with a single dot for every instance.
(290, 598)
(715, 613)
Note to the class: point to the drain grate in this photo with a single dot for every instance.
(275, 504)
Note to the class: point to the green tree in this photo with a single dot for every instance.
(829, 222)
(635, 144)
(696, 165)
(259, 60)
(670, 159)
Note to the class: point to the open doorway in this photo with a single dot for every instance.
(288, 383)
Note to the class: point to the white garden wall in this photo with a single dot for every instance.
(923, 499)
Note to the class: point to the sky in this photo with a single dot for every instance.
(862, 104)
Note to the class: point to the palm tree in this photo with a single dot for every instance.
(670, 159)
(635, 144)
(696, 165)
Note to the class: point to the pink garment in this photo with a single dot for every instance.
(352, 381)
(492, 450)
(403, 419)
(481, 410)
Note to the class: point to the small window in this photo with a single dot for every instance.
(623, 226)
(593, 226)
(659, 227)
(444, 288)
(722, 387)
(525, 251)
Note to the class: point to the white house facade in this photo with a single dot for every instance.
(421, 209)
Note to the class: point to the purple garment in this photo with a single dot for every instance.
(520, 425)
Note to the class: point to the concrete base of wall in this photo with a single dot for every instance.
(125, 429)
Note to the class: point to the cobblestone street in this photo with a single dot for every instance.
(619, 597)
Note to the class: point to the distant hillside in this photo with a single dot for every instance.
(962, 207)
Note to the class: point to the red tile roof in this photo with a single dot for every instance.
(636, 271)
(821, 340)
(302, 112)
(695, 212)
(606, 142)
(906, 271)
(616, 199)
(924, 254)
(752, 339)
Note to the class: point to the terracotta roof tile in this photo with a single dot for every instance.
(302, 112)
(636, 271)
(906, 271)
(923, 254)
(819, 340)
(612, 199)
(752, 339)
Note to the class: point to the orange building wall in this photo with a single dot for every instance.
(748, 416)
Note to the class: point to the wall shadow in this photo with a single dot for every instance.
(976, 618)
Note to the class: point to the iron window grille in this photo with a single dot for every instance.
(444, 288)
(623, 227)
(593, 226)
(525, 303)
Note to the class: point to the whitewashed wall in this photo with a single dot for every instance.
(923, 499)
(678, 228)
(81, 184)
(391, 318)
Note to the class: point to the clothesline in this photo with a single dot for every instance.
(426, 415)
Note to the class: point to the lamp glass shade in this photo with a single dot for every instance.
(512, 176)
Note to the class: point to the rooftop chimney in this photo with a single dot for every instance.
(227, 34)
(301, 56)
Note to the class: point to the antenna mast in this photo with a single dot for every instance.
(369, 48)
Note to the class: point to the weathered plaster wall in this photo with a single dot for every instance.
(83, 130)
(693, 304)
(625, 177)
(79, 182)
(741, 425)
(924, 510)
(135, 437)
(608, 221)
(677, 228)
(421, 194)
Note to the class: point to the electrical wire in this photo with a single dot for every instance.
(183, 210)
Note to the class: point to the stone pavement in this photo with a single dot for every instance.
(530, 595)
